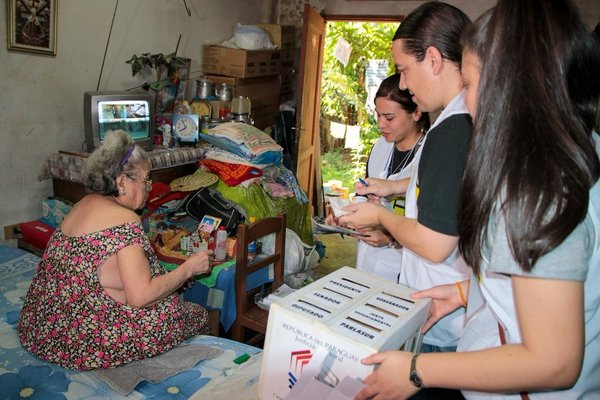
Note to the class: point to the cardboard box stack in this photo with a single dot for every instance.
(265, 76)
(240, 63)
(263, 91)
(323, 330)
(251, 73)
(284, 37)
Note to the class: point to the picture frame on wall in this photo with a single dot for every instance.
(32, 26)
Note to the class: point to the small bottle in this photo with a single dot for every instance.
(221, 244)
(252, 244)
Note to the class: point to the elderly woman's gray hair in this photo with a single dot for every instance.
(117, 155)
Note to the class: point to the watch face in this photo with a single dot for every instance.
(186, 127)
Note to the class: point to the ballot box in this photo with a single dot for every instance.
(324, 329)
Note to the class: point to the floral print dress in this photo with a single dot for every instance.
(68, 319)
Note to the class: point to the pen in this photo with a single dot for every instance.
(363, 181)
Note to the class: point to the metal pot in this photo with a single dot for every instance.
(223, 92)
(204, 88)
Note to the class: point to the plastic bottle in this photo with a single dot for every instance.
(252, 244)
(220, 246)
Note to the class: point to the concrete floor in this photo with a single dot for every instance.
(338, 253)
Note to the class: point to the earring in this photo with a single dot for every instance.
(122, 191)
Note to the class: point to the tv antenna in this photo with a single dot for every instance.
(107, 43)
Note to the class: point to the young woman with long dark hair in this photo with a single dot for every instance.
(529, 219)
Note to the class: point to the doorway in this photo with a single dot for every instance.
(334, 93)
(356, 58)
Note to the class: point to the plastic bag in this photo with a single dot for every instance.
(250, 37)
(300, 258)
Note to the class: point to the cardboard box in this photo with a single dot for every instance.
(327, 327)
(264, 117)
(284, 37)
(281, 35)
(240, 63)
(264, 94)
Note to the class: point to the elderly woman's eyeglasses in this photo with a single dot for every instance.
(147, 182)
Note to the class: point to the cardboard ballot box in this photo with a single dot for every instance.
(327, 327)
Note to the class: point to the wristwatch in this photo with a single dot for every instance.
(414, 377)
(392, 244)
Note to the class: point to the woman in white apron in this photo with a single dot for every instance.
(403, 129)
(530, 229)
(429, 232)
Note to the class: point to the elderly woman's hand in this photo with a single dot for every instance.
(199, 263)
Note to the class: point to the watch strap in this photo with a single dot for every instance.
(414, 377)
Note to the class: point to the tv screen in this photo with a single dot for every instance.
(132, 112)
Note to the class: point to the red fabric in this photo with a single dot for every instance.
(231, 174)
(160, 194)
(36, 233)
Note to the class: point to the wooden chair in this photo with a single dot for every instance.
(249, 315)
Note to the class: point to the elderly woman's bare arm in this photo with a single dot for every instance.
(141, 289)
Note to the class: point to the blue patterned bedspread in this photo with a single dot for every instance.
(24, 376)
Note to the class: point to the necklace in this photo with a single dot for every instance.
(407, 158)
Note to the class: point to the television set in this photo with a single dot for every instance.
(131, 111)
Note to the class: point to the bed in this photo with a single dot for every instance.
(23, 375)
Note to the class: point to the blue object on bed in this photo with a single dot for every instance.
(222, 296)
(24, 375)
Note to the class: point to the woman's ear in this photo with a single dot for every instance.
(120, 180)
(417, 115)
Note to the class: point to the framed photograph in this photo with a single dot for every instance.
(209, 224)
(32, 26)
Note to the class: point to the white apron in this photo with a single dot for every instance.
(492, 301)
(382, 261)
(421, 274)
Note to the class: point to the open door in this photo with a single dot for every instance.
(308, 169)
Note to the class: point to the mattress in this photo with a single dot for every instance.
(22, 374)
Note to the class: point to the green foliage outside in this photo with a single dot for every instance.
(344, 95)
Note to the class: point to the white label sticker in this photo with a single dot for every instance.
(328, 298)
(395, 305)
(357, 331)
(346, 287)
(373, 317)
(309, 309)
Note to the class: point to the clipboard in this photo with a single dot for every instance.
(325, 229)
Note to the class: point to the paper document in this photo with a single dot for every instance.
(337, 203)
(280, 293)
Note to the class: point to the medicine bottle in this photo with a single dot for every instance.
(252, 244)
(221, 244)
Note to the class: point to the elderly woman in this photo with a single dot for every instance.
(99, 298)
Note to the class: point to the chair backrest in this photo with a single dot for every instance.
(246, 233)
